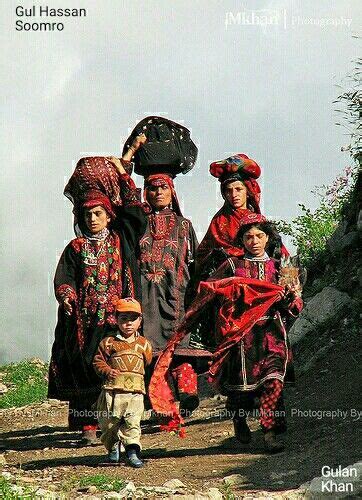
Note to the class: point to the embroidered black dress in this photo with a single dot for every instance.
(92, 273)
(167, 254)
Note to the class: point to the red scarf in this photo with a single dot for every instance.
(223, 230)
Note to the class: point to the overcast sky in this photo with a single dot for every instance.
(266, 91)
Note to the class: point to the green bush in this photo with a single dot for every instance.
(311, 230)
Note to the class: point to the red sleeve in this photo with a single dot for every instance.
(129, 193)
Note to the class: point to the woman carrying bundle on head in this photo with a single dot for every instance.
(167, 248)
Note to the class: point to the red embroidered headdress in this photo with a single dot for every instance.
(239, 168)
(96, 198)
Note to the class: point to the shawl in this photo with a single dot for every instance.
(95, 173)
(223, 231)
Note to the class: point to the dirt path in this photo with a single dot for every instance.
(37, 445)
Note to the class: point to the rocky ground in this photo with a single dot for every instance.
(38, 450)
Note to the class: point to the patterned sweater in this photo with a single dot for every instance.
(129, 358)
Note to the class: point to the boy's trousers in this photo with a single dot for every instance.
(119, 417)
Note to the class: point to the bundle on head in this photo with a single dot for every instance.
(169, 148)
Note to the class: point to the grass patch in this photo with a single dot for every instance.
(11, 491)
(102, 482)
(227, 491)
(6, 491)
(26, 382)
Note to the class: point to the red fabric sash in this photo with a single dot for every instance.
(255, 296)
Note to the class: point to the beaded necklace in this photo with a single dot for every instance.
(90, 257)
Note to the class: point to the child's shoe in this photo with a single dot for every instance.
(133, 459)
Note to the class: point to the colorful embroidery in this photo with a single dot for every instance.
(102, 284)
(65, 292)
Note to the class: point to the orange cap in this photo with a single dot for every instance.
(128, 304)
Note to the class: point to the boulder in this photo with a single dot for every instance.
(3, 389)
(346, 484)
(359, 221)
(341, 240)
(337, 236)
(328, 306)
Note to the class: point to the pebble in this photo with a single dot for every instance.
(214, 494)
(40, 492)
(234, 480)
(18, 490)
(28, 480)
(3, 389)
(127, 490)
(155, 489)
(174, 484)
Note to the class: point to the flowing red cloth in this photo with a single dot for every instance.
(243, 302)
(158, 180)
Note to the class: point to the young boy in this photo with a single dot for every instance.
(120, 361)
